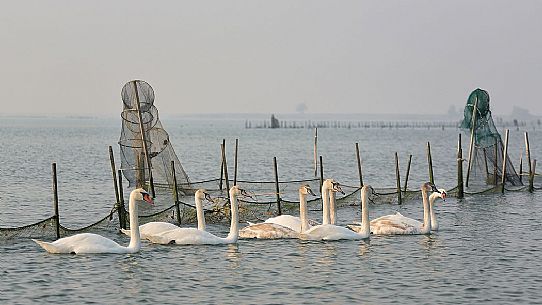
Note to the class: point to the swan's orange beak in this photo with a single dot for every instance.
(148, 198)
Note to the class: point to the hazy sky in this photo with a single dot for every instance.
(73, 57)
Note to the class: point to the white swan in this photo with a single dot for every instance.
(301, 223)
(191, 236)
(333, 232)
(283, 226)
(93, 243)
(155, 227)
(400, 225)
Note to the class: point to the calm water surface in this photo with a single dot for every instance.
(487, 251)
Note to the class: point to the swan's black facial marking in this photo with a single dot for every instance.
(337, 187)
(208, 197)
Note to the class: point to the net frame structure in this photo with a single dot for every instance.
(486, 163)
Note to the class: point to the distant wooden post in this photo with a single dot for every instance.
(122, 210)
(225, 166)
(531, 176)
(175, 193)
(144, 139)
(235, 162)
(359, 166)
(471, 145)
(430, 163)
(504, 158)
(222, 154)
(277, 188)
(398, 178)
(407, 172)
(55, 202)
(460, 190)
(528, 154)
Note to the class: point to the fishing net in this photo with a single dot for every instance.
(488, 149)
(138, 101)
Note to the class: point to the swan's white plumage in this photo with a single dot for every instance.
(329, 232)
(398, 224)
(157, 227)
(191, 236)
(267, 231)
(94, 243)
(289, 221)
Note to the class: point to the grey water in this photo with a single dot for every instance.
(488, 249)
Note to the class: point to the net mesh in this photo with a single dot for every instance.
(488, 150)
(159, 148)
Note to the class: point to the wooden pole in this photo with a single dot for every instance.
(528, 153)
(235, 162)
(321, 182)
(277, 188)
(225, 166)
(496, 163)
(460, 189)
(430, 163)
(359, 166)
(531, 176)
(521, 169)
(175, 193)
(55, 202)
(315, 152)
(398, 179)
(504, 158)
(407, 172)
(144, 140)
(222, 154)
(471, 144)
(122, 210)
(486, 167)
(114, 172)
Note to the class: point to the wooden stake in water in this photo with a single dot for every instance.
(487, 169)
(496, 163)
(222, 156)
(471, 145)
(407, 172)
(122, 210)
(235, 162)
(175, 193)
(315, 152)
(359, 166)
(144, 139)
(521, 169)
(398, 179)
(277, 188)
(430, 163)
(225, 167)
(321, 182)
(504, 158)
(114, 172)
(460, 190)
(528, 153)
(531, 176)
(55, 202)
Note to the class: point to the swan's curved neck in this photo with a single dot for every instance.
(234, 226)
(325, 205)
(303, 212)
(200, 214)
(332, 210)
(426, 214)
(434, 223)
(135, 238)
(365, 224)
